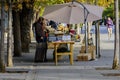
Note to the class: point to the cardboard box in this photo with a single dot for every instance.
(84, 57)
(91, 49)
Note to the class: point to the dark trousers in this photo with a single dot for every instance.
(41, 49)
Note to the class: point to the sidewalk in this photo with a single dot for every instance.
(99, 69)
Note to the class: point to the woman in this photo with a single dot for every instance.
(41, 49)
(40, 30)
(109, 27)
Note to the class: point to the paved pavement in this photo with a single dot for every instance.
(100, 69)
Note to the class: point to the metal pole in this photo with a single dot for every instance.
(86, 36)
(96, 38)
(98, 30)
(86, 12)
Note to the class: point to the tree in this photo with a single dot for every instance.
(116, 45)
(26, 9)
(2, 57)
(26, 17)
(109, 11)
(25, 25)
(10, 37)
(16, 33)
(119, 31)
(22, 15)
(16, 7)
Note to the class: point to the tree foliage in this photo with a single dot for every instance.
(37, 4)
(109, 11)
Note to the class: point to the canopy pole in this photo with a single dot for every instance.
(81, 5)
(86, 30)
(86, 12)
(97, 40)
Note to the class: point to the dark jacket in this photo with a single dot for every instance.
(39, 32)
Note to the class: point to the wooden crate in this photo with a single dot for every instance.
(84, 57)
(91, 49)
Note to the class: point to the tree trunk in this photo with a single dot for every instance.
(116, 47)
(25, 27)
(16, 32)
(2, 57)
(10, 37)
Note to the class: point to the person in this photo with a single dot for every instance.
(41, 39)
(53, 24)
(39, 30)
(90, 40)
(109, 24)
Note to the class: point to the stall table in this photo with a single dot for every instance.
(69, 53)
